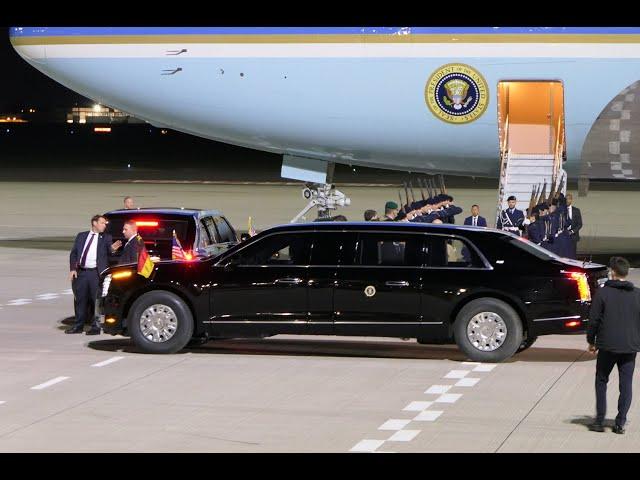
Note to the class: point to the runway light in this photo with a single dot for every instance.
(574, 323)
(119, 275)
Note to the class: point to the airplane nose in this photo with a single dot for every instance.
(29, 47)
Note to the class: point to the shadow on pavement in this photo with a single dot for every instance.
(344, 348)
(586, 420)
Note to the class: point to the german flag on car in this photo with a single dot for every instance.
(145, 265)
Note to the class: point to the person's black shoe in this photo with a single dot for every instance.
(93, 331)
(619, 429)
(596, 427)
(74, 330)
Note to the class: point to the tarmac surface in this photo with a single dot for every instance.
(74, 393)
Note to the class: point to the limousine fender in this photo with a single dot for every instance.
(174, 289)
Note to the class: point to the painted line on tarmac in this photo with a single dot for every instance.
(49, 383)
(67, 292)
(47, 296)
(107, 362)
(18, 302)
(398, 425)
(2, 401)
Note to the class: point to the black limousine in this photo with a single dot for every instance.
(491, 292)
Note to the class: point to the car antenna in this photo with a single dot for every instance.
(595, 230)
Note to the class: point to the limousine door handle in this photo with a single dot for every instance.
(288, 281)
(397, 283)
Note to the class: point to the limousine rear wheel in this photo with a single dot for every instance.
(488, 330)
(160, 322)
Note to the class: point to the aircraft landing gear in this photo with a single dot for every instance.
(323, 196)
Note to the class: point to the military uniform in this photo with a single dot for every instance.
(511, 220)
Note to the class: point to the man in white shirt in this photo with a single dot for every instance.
(576, 222)
(475, 219)
(88, 257)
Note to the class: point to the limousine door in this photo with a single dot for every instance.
(379, 293)
(263, 287)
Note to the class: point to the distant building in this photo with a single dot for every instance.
(100, 114)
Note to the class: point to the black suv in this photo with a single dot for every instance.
(200, 232)
(489, 291)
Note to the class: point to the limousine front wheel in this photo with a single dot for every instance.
(488, 330)
(160, 322)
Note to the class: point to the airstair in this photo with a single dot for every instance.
(522, 173)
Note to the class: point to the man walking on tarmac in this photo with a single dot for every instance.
(614, 332)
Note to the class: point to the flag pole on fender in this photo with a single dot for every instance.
(145, 265)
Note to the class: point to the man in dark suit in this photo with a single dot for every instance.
(88, 257)
(475, 219)
(131, 248)
(575, 216)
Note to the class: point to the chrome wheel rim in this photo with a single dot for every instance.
(158, 323)
(487, 331)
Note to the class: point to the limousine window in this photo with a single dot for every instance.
(453, 253)
(276, 250)
(333, 248)
(530, 247)
(389, 249)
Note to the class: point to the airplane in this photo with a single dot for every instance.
(522, 104)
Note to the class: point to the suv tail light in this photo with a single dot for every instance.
(583, 285)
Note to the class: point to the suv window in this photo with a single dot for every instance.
(224, 230)
(156, 230)
(382, 249)
(209, 231)
(279, 249)
(452, 253)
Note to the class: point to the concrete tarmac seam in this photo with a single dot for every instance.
(539, 400)
(66, 409)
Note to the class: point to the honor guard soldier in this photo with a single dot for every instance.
(534, 229)
(390, 211)
(511, 219)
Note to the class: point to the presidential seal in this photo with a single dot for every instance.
(456, 93)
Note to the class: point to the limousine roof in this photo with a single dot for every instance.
(391, 226)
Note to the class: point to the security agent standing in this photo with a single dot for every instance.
(511, 219)
(88, 257)
(614, 332)
(131, 248)
(575, 216)
(475, 219)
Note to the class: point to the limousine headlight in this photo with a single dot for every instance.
(105, 285)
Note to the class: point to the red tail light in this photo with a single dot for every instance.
(188, 256)
(583, 285)
(574, 323)
(146, 223)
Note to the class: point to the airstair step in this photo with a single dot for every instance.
(532, 155)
